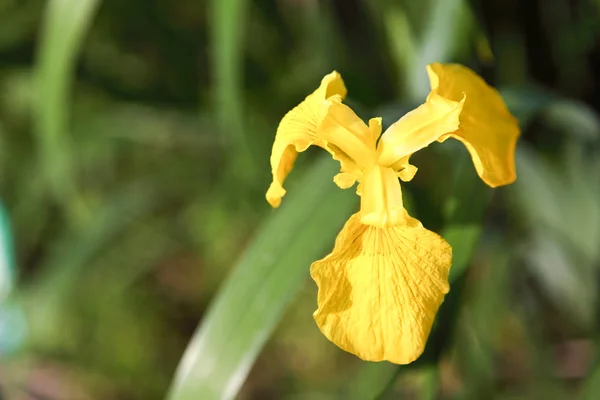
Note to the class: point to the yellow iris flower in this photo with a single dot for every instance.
(382, 284)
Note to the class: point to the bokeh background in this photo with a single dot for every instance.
(134, 145)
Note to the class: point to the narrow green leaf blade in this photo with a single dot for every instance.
(65, 24)
(227, 31)
(260, 287)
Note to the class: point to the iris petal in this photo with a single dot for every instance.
(298, 130)
(418, 129)
(487, 128)
(348, 138)
(380, 288)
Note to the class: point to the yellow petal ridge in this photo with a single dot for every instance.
(349, 139)
(380, 289)
(419, 128)
(298, 130)
(487, 128)
(381, 199)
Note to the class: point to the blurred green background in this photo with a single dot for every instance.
(139, 259)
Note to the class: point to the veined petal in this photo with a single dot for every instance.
(419, 128)
(487, 128)
(380, 288)
(298, 130)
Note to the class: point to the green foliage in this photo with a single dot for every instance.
(64, 27)
(227, 30)
(263, 283)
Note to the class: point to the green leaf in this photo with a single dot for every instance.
(260, 287)
(65, 24)
(446, 25)
(227, 31)
(475, 339)
(372, 379)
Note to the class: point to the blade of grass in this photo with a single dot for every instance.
(449, 22)
(444, 29)
(65, 24)
(227, 31)
(258, 290)
(431, 383)
(475, 337)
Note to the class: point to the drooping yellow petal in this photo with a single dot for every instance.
(487, 128)
(298, 130)
(380, 288)
(418, 129)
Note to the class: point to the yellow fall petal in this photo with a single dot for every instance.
(380, 288)
(487, 128)
(298, 130)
